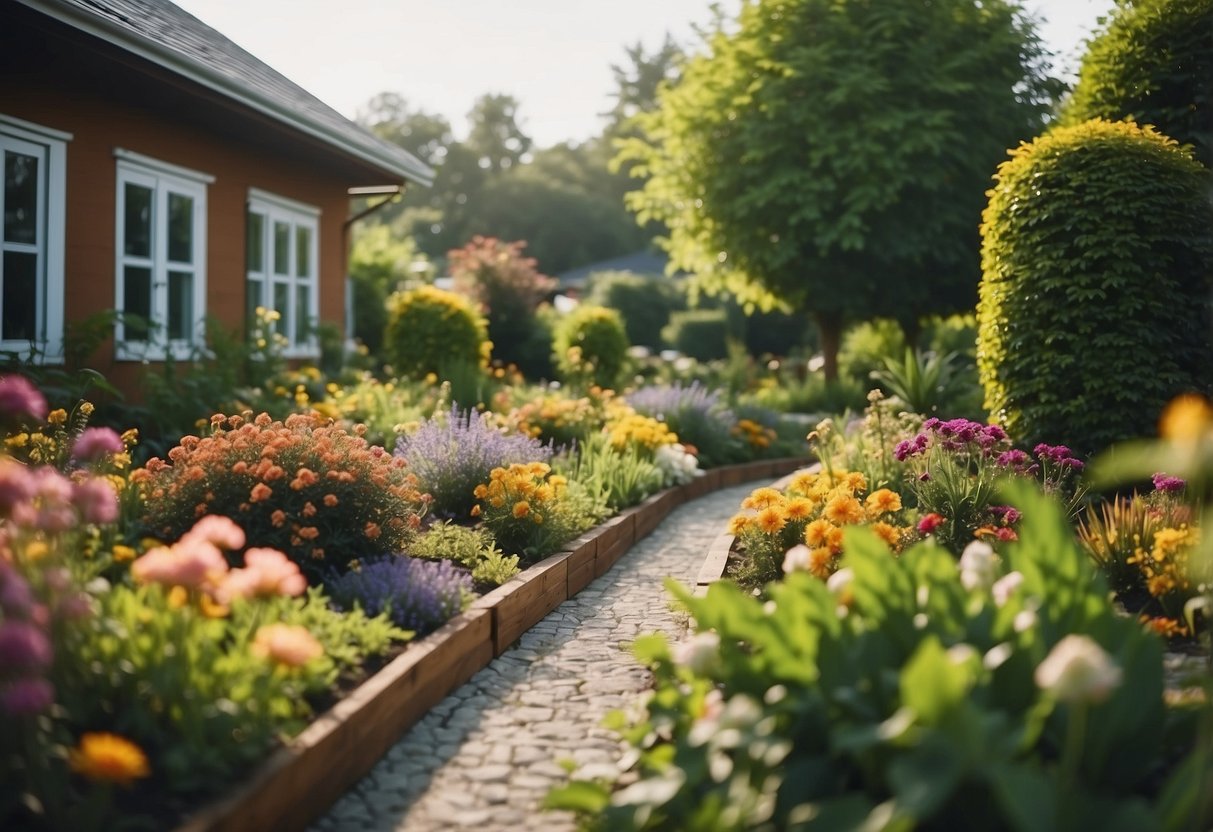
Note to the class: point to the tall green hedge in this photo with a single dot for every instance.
(1097, 248)
(429, 329)
(1153, 64)
(644, 302)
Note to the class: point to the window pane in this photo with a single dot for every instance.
(137, 213)
(303, 251)
(20, 299)
(255, 246)
(136, 301)
(282, 248)
(20, 199)
(303, 317)
(253, 298)
(180, 228)
(180, 306)
(282, 300)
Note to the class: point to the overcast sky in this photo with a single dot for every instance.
(554, 56)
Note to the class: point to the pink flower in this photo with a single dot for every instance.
(220, 531)
(287, 645)
(26, 697)
(94, 443)
(15, 595)
(16, 484)
(20, 398)
(930, 523)
(193, 564)
(23, 646)
(96, 500)
(267, 572)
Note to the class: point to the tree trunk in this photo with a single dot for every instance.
(911, 328)
(829, 327)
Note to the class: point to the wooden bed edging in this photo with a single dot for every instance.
(301, 780)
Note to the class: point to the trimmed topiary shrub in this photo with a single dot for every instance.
(700, 333)
(644, 302)
(1153, 64)
(590, 345)
(428, 329)
(1094, 309)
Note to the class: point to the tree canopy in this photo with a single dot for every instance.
(833, 156)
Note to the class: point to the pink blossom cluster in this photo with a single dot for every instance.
(197, 562)
(20, 400)
(43, 499)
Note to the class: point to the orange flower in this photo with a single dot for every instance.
(798, 508)
(883, 501)
(330, 500)
(260, 492)
(771, 519)
(372, 531)
(108, 758)
(309, 510)
(286, 645)
(890, 534)
(843, 509)
(817, 532)
(521, 509)
(738, 524)
(762, 498)
(278, 518)
(309, 532)
(820, 562)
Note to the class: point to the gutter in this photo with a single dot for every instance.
(114, 33)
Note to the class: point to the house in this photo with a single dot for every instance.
(153, 167)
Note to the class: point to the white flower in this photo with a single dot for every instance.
(1005, 587)
(796, 559)
(840, 582)
(677, 466)
(1078, 670)
(698, 653)
(978, 566)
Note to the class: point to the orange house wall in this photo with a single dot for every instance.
(100, 124)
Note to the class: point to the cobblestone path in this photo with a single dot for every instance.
(487, 754)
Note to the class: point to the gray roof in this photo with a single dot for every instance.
(644, 262)
(169, 36)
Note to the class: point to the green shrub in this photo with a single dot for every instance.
(700, 333)
(777, 333)
(1097, 253)
(644, 302)
(590, 346)
(428, 328)
(1153, 64)
(866, 345)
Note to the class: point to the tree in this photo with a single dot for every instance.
(379, 263)
(833, 156)
(495, 136)
(637, 83)
(1152, 64)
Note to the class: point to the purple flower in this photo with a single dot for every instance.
(16, 485)
(903, 450)
(419, 595)
(16, 599)
(23, 646)
(96, 500)
(995, 432)
(930, 424)
(1072, 463)
(1009, 515)
(20, 398)
(94, 443)
(26, 697)
(1013, 458)
(1168, 484)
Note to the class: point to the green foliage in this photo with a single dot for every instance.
(495, 568)
(428, 328)
(906, 697)
(867, 344)
(644, 302)
(379, 262)
(931, 384)
(1098, 252)
(700, 333)
(612, 477)
(590, 345)
(817, 144)
(813, 394)
(1152, 64)
(472, 549)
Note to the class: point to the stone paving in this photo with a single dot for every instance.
(486, 756)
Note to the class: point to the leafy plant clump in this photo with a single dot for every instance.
(455, 451)
(1097, 256)
(911, 692)
(590, 346)
(429, 330)
(303, 486)
(472, 549)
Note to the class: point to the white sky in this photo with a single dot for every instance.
(554, 56)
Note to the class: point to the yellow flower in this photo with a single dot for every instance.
(57, 416)
(820, 561)
(891, 535)
(817, 533)
(771, 520)
(738, 524)
(762, 498)
(843, 509)
(123, 553)
(36, 550)
(1187, 418)
(521, 509)
(883, 501)
(108, 758)
(799, 508)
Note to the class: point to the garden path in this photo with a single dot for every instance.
(486, 756)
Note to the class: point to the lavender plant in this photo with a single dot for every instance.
(455, 451)
(417, 594)
(698, 415)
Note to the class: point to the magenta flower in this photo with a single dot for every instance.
(94, 443)
(1167, 483)
(26, 697)
(23, 646)
(20, 399)
(96, 500)
(930, 523)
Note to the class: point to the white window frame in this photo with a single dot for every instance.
(50, 147)
(162, 178)
(297, 215)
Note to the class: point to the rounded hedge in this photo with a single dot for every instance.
(703, 334)
(1153, 64)
(590, 345)
(644, 302)
(1094, 301)
(428, 329)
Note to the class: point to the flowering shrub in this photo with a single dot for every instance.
(416, 594)
(908, 695)
(559, 420)
(453, 452)
(303, 486)
(628, 428)
(678, 465)
(698, 416)
(801, 529)
(528, 510)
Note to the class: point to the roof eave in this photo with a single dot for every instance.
(414, 171)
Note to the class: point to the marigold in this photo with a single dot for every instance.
(817, 532)
(521, 509)
(843, 509)
(738, 524)
(108, 758)
(798, 508)
(883, 501)
(260, 492)
(890, 534)
(762, 498)
(771, 519)
(821, 562)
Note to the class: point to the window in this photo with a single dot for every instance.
(282, 249)
(33, 175)
(161, 245)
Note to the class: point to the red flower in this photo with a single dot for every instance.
(930, 523)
